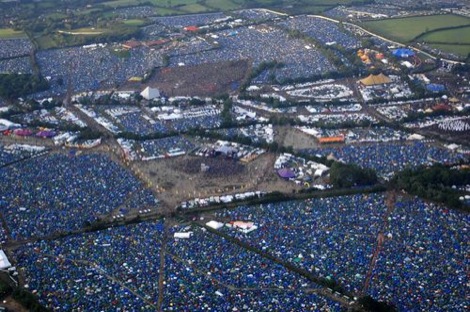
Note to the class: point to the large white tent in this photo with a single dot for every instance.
(4, 263)
(150, 93)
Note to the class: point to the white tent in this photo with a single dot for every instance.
(214, 224)
(4, 263)
(183, 234)
(150, 93)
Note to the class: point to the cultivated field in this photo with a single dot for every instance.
(406, 29)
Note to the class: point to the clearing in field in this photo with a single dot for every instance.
(134, 22)
(199, 80)
(194, 8)
(406, 29)
(222, 5)
(9, 33)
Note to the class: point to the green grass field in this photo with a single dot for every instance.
(194, 8)
(46, 42)
(8, 33)
(134, 22)
(462, 50)
(406, 29)
(222, 5)
(460, 35)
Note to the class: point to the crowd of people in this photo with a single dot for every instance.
(88, 69)
(15, 47)
(263, 44)
(62, 193)
(388, 158)
(14, 152)
(359, 119)
(119, 268)
(331, 237)
(159, 148)
(144, 122)
(258, 133)
(424, 266)
(257, 15)
(326, 32)
(181, 21)
(135, 12)
(19, 65)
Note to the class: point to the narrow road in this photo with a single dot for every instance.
(390, 203)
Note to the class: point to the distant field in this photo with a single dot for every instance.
(222, 5)
(46, 42)
(462, 50)
(121, 3)
(8, 33)
(460, 35)
(194, 8)
(198, 6)
(406, 29)
(165, 11)
(134, 22)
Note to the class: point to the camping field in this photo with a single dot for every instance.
(407, 29)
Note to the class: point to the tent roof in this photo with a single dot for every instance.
(286, 173)
(150, 93)
(4, 263)
(372, 80)
(403, 52)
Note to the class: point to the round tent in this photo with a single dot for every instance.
(286, 173)
(403, 53)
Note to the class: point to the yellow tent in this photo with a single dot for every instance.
(373, 80)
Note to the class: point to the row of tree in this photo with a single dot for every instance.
(437, 183)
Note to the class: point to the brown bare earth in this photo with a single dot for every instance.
(12, 305)
(179, 179)
(199, 80)
(288, 136)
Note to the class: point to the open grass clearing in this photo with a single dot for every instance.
(458, 49)
(134, 22)
(194, 8)
(46, 42)
(9, 33)
(165, 11)
(406, 29)
(459, 35)
(222, 5)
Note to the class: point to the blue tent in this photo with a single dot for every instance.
(403, 53)
(434, 87)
